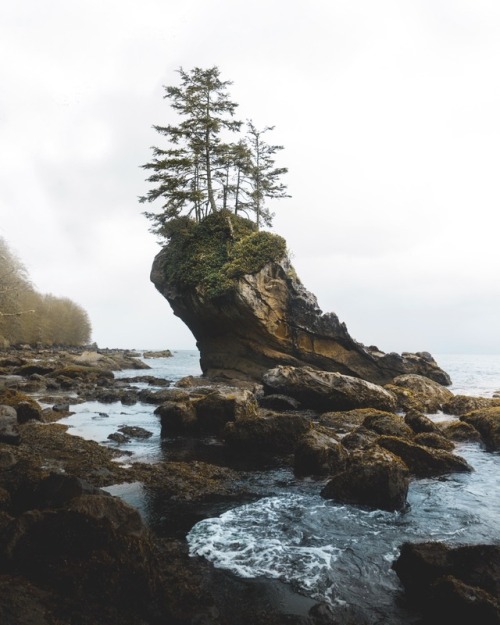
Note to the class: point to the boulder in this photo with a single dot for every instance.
(275, 433)
(148, 396)
(389, 424)
(135, 431)
(9, 430)
(96, 550)
(360, 438)
(346, 421)
(220, 406)
(487, 422)
(460, 431)
(177, 417)
(431, 395)
(460, 405)
(462, 583)
(319, 453)
(419, 423)
(375, 478)
(250, 312)
(323, 390)
(424, 461)
(435, 440)
(27, 411)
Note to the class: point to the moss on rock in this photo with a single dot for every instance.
(212, 254)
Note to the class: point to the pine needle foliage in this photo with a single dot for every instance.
(201, 170)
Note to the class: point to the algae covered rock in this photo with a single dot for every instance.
(375, 478)
(239, 295)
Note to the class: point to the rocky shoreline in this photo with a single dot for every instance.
(72, 553)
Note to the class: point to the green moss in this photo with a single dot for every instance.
(212, 254)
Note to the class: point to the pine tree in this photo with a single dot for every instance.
(188, 174)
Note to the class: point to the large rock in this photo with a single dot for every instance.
(487, 422)
(264, 316)
(424, 461)
(462, 583)
(374, 478)
(460, 405)
(319, 453)
(431, 395)
(324, 390)
(270, 433)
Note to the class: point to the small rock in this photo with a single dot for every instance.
(135, 431)
(118, 437)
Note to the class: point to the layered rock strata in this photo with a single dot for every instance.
(268, 318)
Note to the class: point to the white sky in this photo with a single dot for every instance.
(389, 112)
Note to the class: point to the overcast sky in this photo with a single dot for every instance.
(389, 112)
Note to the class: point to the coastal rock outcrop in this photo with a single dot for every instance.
(239, 295)
(324, 390)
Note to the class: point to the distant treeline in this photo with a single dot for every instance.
(29, 317)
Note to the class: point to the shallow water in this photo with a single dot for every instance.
(337, 553)
(341, 553)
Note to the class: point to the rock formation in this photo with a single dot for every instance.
(263, 316)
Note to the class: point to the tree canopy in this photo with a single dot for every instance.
(27, 316)
(201, 170)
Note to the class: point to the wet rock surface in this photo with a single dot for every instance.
(462, 583)
(76, 555)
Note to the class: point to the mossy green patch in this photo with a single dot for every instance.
(212, 254)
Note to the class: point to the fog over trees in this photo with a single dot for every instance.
(29, 317)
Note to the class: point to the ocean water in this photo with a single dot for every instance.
(336, 553)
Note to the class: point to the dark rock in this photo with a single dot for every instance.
(419, 423)
(487, 422)
(118, 437)
(279, 402)
(135, 431)
(319, 453)
(360, 438)
(271, 433)
(435, 440)
(26, 411)
(221, 406)
(375, 478)
(177, 417)
(389, 424)
(461, 582)
(346, 421)
(424, 461)
(149, 396)
(323, 390)
(53, 491)
(460, 431)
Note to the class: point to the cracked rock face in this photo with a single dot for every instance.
(270, 319)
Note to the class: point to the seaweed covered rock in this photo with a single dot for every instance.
(319, 453)
(424, 461)
(487, 422)
(375, 478)
(428, 393)
(237, 292)
(462, 583)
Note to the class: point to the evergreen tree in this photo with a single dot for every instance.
(188, 174)
(201, 171)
